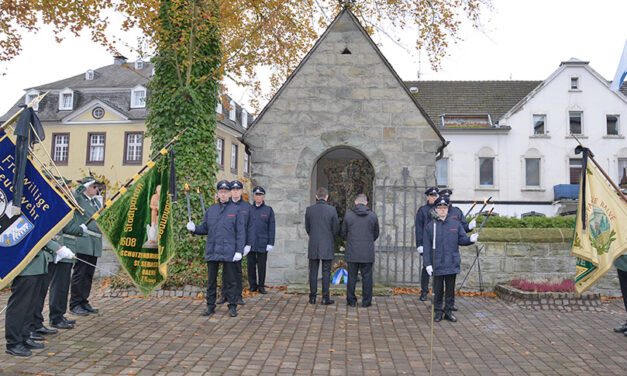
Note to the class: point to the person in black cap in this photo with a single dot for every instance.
(226, 237)
(244, 210)
(456, 213)
(322, 225)
(422, 218)
(263, 224)
(444, 261)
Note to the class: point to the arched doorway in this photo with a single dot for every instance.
(345, 172)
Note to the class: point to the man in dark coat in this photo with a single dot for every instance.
(322, 224)
(264, 227)
(226, 237)
(456, 213)
(444, 262)
(422, 218)
(360, 229)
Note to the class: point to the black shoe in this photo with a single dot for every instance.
(327, 301)
(36, 336)
(71, 322)
(621, 329)
(18, 350)
(262, 290)
(89, 308)
(366, 305)
(253, 289)
(438, 316)
(222, 300)
(312, 300)
(30, 344)
(79, 311)
(62, 325)
(351, 304)
(43, 330)
(423, 296)
(450, 317)
(454, 308)
(232, 311)
(209, 311)
(240, 301)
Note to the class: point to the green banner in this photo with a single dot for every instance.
(138, 227)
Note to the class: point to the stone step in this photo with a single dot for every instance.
(303, 288)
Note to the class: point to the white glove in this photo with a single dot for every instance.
(63, 253)
(472, 224)
(84, 228)
(237, 257)
(191, 226)
(429, 269)
(474, 237)
(419, 249)
(269, 248)
(246, 250)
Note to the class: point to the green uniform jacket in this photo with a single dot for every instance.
(68, 236)
(621, 263)
(39, 265)
(87, 244)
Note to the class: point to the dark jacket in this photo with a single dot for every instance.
(449, 235)
(322, 225)
(360, 229)
(263, 222)
(422, 218)
(245, 209)
(456, 213)
(226, 232)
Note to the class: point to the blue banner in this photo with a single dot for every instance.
(44, 213)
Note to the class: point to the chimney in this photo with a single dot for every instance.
(119, 60)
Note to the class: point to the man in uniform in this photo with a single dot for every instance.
(456, 213)
(360, 228)
(264, 226)
(24, 301)
(423, 217)
(88, 247)
(322, 225)
(444, 262)
(226, 237)
(621, 269)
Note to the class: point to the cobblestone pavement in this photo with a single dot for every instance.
(282, 334)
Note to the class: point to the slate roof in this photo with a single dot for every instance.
(623, 88)
(469, 97)
(111, 85)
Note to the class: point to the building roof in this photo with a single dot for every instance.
(112, 85)
(469, 97)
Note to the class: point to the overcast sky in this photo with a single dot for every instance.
(519, 40)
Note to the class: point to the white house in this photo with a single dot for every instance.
(518, 156)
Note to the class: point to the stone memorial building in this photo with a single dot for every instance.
(343, 120)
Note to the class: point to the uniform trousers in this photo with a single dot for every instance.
(229, 285)
(82, 276)
(238, 279)
(439, 282)
(622, 278)
(39, 300)
(59, 289)
(257, 269)
(424, 278)
(21, 307)
(313, 278)
(366, 281)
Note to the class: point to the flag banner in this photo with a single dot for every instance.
(44, 213)
(605, 235)
(138, 227)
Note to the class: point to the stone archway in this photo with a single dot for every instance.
(345, 172)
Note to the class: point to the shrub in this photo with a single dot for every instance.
(528, 222)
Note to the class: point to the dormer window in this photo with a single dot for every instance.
(30, 96)
(66, 99)
(138, 97)
(574, 83)
(139, 65)
(89, 75)
(244, 119)
(232, 111)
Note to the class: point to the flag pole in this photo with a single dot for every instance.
(621, 194)
(132, 180)
(15, 116)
